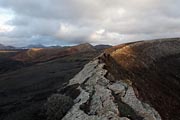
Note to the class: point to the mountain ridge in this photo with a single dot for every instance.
(45, 54)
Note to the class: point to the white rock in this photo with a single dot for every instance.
(97, 91)
(144, 110)
(118, 88)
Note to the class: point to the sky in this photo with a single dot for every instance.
(67, 22)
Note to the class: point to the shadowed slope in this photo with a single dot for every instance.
(24, 87)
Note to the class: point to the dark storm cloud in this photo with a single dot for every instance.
(94, 21)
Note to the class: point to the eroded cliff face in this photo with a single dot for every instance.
(135, 81)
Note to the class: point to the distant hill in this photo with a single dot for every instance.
(39, 46)
(45, 54)
(3, 47)
(33, 46)
(102, 47)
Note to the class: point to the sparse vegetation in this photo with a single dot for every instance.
(57, 106)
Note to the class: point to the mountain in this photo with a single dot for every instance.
(39, 46)
(55, 46)
(34, 46)
(84, 47)
(102, 47)
(133, 81)
(45, 54)
(3, 47)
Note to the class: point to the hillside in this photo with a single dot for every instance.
(26, 85)
(133, 81)
(153, 67)
(7, 64)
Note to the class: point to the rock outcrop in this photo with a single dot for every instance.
(100, 99)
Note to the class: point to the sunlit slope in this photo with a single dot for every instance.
(45, 54)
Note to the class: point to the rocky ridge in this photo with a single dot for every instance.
(102, 99)
(136, 81)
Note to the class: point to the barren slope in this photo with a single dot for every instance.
(153, 67)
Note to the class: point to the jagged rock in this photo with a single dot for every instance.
(84, 73)
(143, 109)
(102, 102)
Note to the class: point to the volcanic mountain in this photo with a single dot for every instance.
(136, 81)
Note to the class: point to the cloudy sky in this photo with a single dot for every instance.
(66, 22)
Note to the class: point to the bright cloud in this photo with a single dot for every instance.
(5, 16)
